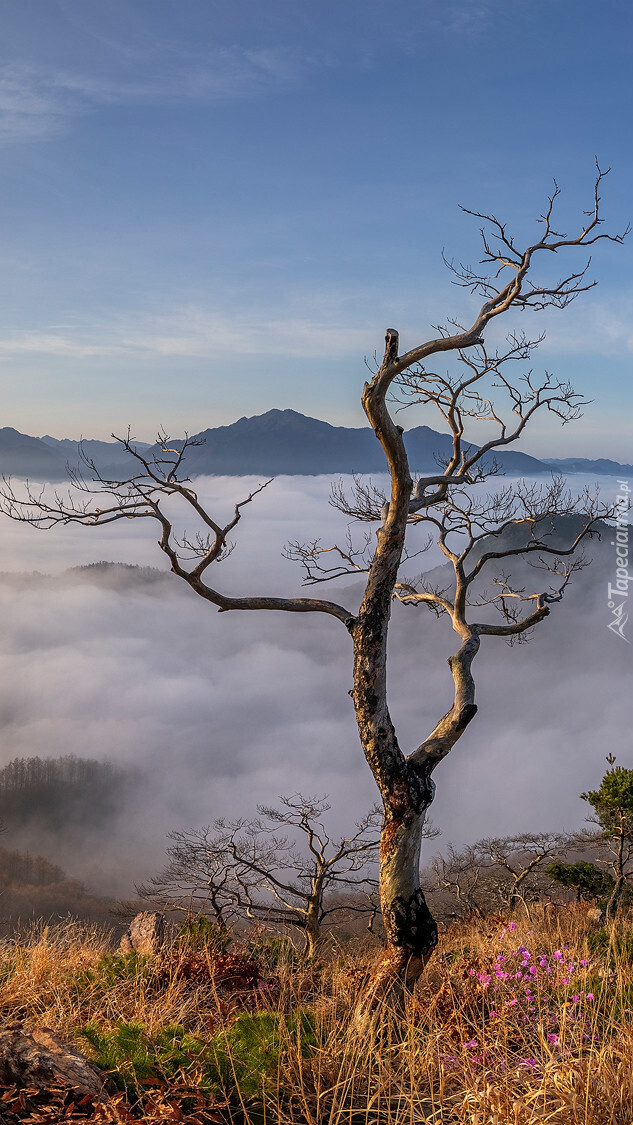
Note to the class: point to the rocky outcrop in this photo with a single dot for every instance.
(146, 933)
(39, 1060)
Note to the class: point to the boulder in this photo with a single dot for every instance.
(39, 1060)
(146, 933)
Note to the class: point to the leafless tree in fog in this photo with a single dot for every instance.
(282, 867)
(477, 532)
(497, 874)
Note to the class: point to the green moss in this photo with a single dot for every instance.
(243, 1060)
(131, 1056)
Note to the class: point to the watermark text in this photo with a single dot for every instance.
(618, 590)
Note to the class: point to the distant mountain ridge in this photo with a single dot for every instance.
(270, 444)
(602, 466)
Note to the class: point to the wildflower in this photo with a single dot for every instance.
(552, 1038)
(565, 980)
(584, 962)
(470, 1044)
(558, 955)
(543, 963)
(589, 996)
(510, 1003)
(575, 998)
(528, 1062)
(533, 970)
(512, 925)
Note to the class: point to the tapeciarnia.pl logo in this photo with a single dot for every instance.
(618, 592)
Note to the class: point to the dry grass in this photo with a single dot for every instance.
(479, 1044)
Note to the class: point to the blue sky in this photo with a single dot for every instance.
(213, 208)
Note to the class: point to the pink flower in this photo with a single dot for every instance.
(512, 925)
(470, 1044)
(590, 996)
(558, 955)
(551, 1038)
(565, 980)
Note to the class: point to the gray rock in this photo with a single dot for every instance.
(39, 1059)
(146, 933)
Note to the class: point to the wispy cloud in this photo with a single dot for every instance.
(37, 102)
(303, 324)
(54, 344)
(31, 106)
(193, 331)
(596, 326)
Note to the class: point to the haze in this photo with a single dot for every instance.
(222, 711)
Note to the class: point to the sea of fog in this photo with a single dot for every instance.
(225, 711)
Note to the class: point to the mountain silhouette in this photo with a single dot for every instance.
(270, 444)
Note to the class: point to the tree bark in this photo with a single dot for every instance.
(620, 880)
(312, 934)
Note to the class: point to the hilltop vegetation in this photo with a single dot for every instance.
(514, 1023)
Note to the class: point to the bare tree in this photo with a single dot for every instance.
(497, 873)
(198, 879)
(472, 532)
(463, 877)
(282, 868)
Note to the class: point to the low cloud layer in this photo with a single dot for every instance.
(223, 711)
